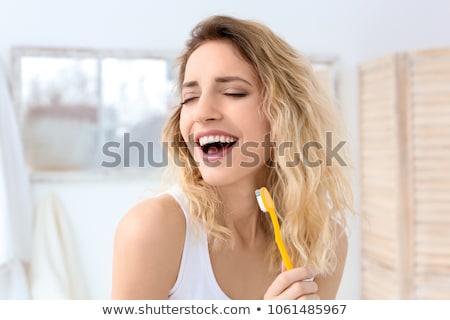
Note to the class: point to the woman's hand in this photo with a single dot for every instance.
(295, 284)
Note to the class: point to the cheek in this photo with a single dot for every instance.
(184, 125)
(258, 127)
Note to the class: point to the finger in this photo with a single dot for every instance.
(310, 297)
(285, 279)
(298, 290)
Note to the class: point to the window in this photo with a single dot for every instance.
(72, 102)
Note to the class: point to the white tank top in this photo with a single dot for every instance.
(195, 280)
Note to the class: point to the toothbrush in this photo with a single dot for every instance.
(267, 205)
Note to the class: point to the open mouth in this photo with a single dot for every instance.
(215, 147)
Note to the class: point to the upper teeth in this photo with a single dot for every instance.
(212, 139)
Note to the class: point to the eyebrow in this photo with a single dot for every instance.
(191, 84)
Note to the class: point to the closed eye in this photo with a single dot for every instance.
(236, 95)
(188, 100)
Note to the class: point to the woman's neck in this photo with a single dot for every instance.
(241, 213)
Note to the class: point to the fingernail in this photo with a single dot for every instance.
(310, 273)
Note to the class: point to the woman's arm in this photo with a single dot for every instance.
(147, 250)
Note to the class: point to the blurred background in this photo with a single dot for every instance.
(75, 76)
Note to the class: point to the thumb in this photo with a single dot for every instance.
(283, 267)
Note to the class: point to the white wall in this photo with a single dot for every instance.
(350, 29)
(93, 207)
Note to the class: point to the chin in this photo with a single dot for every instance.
(230, 176)
(218, 176)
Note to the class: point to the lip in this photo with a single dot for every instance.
(200, 134)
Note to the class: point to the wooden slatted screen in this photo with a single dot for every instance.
(429, 101)
(405, 175)
(380, 183)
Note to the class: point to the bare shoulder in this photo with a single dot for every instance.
(147, 249)
(151, 219)
(329, 285)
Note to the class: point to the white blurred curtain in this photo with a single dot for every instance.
(55, 271)
(38, 257)
(15, 204)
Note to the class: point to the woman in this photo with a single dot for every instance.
(251, 115)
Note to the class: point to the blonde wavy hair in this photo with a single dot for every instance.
(311, 199)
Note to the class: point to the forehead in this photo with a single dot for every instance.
(217, 58)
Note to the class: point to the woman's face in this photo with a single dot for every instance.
(221, 118)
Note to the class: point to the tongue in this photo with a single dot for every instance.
(215, 148)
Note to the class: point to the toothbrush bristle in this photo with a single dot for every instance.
(259, 200)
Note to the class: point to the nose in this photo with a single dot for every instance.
(207, 109)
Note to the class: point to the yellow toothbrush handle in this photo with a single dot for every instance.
(279, 241)
(284, 255)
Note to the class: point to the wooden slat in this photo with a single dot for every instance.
(430, 121)
(429, 145)
(431, 66)
(425, 78)
(432, 259)
(441, 269)
(377, 208)
(436, 247)
(433, 284)
(432, 154)
(432, 163)
(369, 136)
(379, 281)
(432, 207)
(373, 183)
(378, 129)
(376, 64)
(431, 111)
(387, 241)
(379, 255)
(381, 76)
(435, 230)
(380, 94)
(373, 214)
(378, 288)
(431, 89)
(374, 269)
(382, 172)
(373, 115)
(432, 184)
(382, 159)
(427, 54)
(375, 142)
(378, 203)
(375, 228)
(432, 196)
(432, 293)
(434, 174)
(430, 131)
(378, 268)
(430, 216)
(430, 99)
